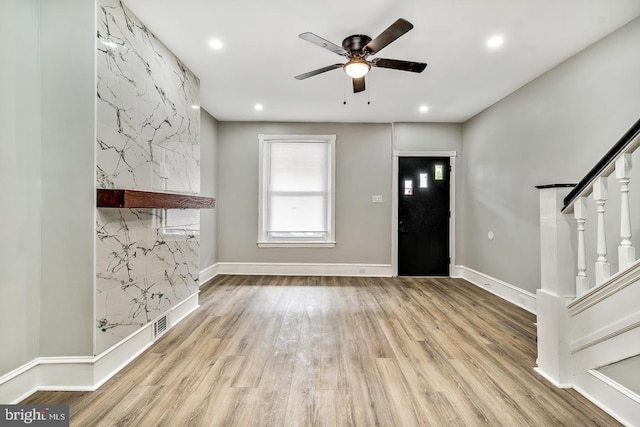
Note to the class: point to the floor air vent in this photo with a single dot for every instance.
(160, 326)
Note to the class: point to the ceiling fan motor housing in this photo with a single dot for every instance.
(357, 47)
(355, 44)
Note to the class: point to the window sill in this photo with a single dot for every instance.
(296, 244)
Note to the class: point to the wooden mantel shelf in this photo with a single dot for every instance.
(152, 200)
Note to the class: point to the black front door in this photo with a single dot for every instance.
(423, 216)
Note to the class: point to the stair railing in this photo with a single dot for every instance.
(594, 184)
(564, 264)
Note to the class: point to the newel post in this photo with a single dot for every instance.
(557, 287)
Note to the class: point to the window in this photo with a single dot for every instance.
(296, 191)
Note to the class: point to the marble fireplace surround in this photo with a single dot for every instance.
(144, 258)
(147, 179)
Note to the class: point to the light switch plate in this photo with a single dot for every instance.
(164, 170)
(377, 198)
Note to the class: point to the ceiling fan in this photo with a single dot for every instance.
(358, 47)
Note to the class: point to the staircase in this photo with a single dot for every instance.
(618, 373)
(589, 299)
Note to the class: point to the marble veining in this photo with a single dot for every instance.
(145, 265)
(145, 97)
(148, 138)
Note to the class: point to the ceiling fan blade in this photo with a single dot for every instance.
(319, 41)
(358, 85)
(395, 30)
(318, 71)
(396, 64)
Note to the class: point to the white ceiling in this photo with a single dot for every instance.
(262, 52)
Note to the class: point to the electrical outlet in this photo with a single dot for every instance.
(377, 198)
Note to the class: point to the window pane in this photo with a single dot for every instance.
(296, 194)
(297, 213)
(424, 180)
(298, 166)
(408, 187)
(439, 173)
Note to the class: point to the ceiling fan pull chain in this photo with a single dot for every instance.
(344, 91)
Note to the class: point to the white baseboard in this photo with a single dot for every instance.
(66, 373)
(84, 373)
(551, 380)
(609, 396)
(184, 308)
(509, 292)
(208, 273)
(111, 361)
(305, 269)
(19, 383)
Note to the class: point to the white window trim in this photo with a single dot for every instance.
(262, 190)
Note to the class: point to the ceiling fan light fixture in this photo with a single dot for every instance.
(357, 48)
(357, 67)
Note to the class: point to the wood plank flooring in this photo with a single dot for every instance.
(329, 351)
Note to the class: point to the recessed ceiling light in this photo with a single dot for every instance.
(423, 108)
(195, 107)
(258, 107)
(495, 42)
(215, 44)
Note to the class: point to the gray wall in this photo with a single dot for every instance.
(436, 137)
(363, 168)
(20, 180)
(552, 130)
(47, 179)
(68, 176)
(208, 187)
(428, 137)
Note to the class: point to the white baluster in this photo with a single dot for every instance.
(580, 214)
(603, 268)
(626, 251)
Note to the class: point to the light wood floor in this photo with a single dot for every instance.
(303, 351)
